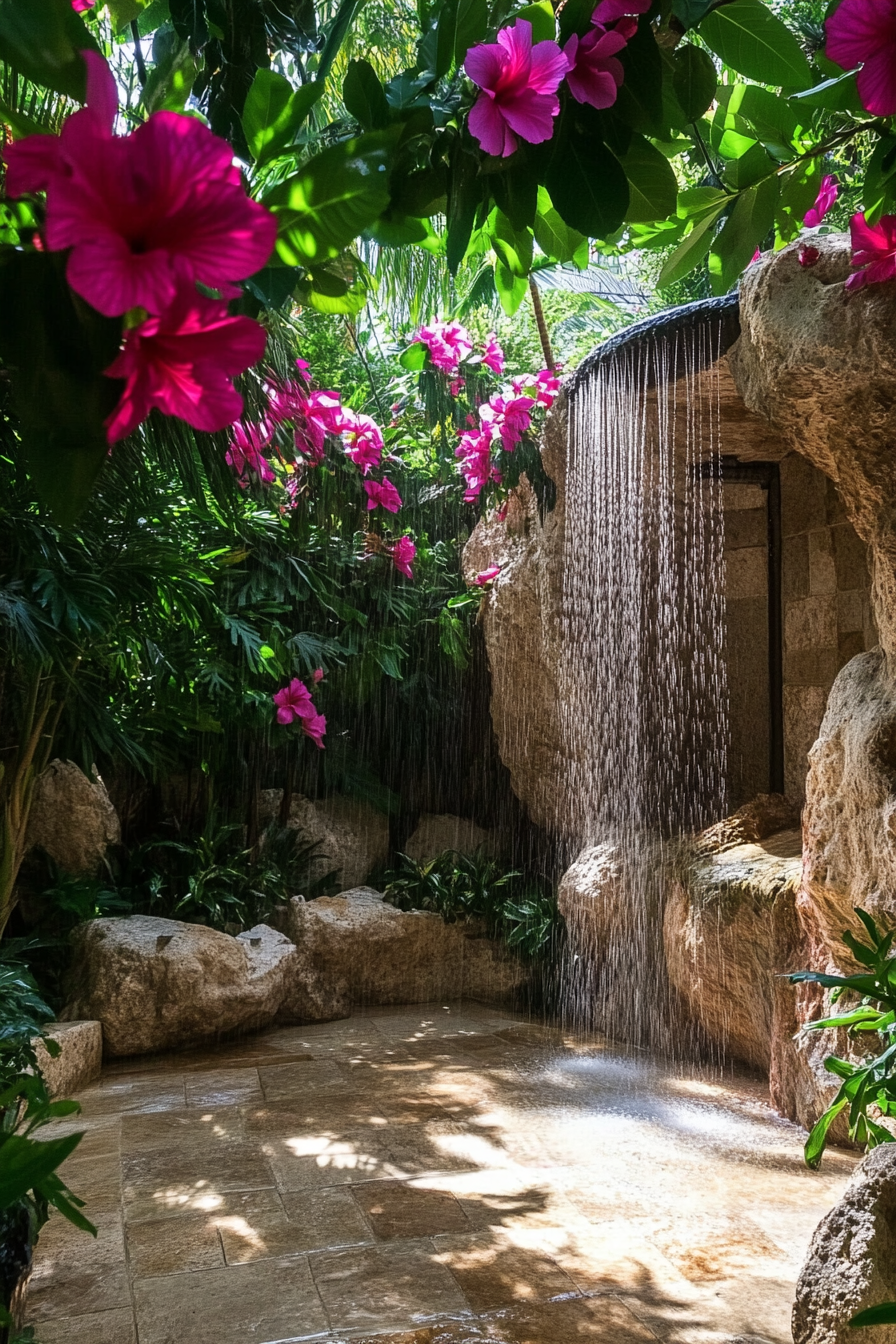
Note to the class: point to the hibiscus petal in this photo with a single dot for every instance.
(532, 116)
(484, 64)
(488, 126)
(549, 66)
(102, 91)
(113, 279)
(858, 29)
(877, 83)
(31, 163)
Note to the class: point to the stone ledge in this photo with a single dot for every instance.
(80, 1058)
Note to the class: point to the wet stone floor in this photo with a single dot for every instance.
(444, 1174)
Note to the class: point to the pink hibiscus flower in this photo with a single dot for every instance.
(79, 6)
(448, 344)
(493, 355)
(621, 13)
(594, 72)
(873, 249)
(487, 575)
(245, 454)
(507, 418)
(827, 195)
(475, 453)
(403, 553)
(863, 32)
(519, 84)
(294, 702)
(363, 440)
(140, 212)
(182, 362)
(382, 494)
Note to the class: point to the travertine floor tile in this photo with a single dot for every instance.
(173, 1246)
(176, 1131)
(272, 1300)
(314, 1161)
(304, 1221)
(399, 1209)
(96, 1180)
(385, 1287)
(105, 1327)
(223, 1088)
(493, 1272)
(74, 1272)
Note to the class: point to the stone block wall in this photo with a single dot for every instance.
(827, 605)
(746, 591)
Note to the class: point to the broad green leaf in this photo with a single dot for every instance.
(575, 17)
(414, 357)
(799, 188)
(692, 250)
(751, 217)
(883, 1314)
(43, 39)
(397, 230)
(330, 293)
(879, 191)
(332, 199)
(124, 12)
(839, 94)
(771, 117)
(690, 12)
(170, 81)
(26, 1163)
(516, 193)
(639, 101)
(748, 168)
(512, 246)
(274, 112)
(694, 80)
(511, 288)
(465, 190)
(364, 96)
(420, 193)
(653, 186)
(273, 285)
(755, 42)
(334, 35)
(818, 1135)
(555, 238)
(696, 202)
(586, 182)
(541, 17)
(462, 23)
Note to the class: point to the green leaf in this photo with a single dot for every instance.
(541, 17)
(755, 42)
(332, 199)
(26, 1163)
(751, 217)
(334, 35)
(462, 23)
(124, 12)
(692, 250)
(639, 101)
(364, 96)
(511, 288)
(690, 12)
(274, 112)
(840, 94)
(696, 202)
(170, 81)
(556, 239)
(748, 168)
(586, 181)
(512, 246)
(43, 40)
(465, 191)
(771, 117)
(653, 186)
(414, 357)
(818, 1135)
(883, 1314)
(694, 80)
(20, 124)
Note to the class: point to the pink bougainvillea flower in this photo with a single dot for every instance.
(79, 6)
(456, 386)
(863, 32)
(827, 195)
(547, 385)
(382, 494)
(182, 362)
(403, 553)
(142, 210)
(808, 255)
(873, 249)
(363, 440)
(594, 72)
(246, 452)
(519, 84)
(493, 355)
(487, 575)
(448, 344)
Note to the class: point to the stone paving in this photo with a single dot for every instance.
(444, 1174)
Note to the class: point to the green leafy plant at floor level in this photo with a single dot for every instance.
(872, 1082)
(883, 1314)
(29, 1182)
(520, 911)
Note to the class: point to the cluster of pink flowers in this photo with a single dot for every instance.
(520, 81)
(448, 343)
(503, 421)
(294, 703)
(145, 218)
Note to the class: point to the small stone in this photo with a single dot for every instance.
(72, 819)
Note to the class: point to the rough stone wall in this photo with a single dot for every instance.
(746, 600)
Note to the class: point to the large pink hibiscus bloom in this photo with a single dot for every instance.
(873, 249)
(182, 362)
(139, 211)
(863, 32)
(519, 84)
(595, 74)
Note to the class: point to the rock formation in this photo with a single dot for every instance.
(72, 819)
(851, 1264)
(437, 833)
(352, 838)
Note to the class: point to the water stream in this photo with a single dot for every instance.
(643, 678)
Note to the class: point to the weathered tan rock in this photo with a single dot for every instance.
(589, 898)
(353, 838)
(851, 1264)
(79, 1060)
(762, 816)
(155, 983)
(723, 944)
(383, 955)
(72, 818)
(437, 833)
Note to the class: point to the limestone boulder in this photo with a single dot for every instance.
(352, 837)
(762, 816)
(589, 898)
(72, 819)
(378, 954)
(851, 1263)
(724, 932)
(79, 1060)
(156, 984)
(436, 833)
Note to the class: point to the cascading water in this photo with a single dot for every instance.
(643, 634)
